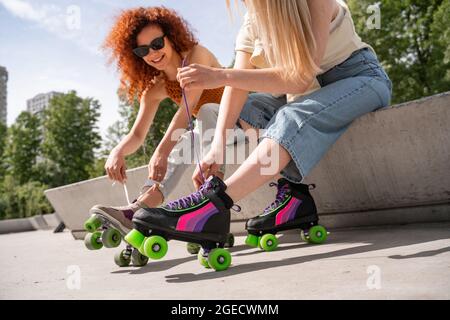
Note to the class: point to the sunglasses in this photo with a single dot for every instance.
(156, 44)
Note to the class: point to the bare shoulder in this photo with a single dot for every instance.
(200, 54)
(327, 7)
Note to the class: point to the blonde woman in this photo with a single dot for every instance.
(322, 76)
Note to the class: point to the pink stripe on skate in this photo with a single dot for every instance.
(288, 213)
(201, 223)
(195, 224)
(196, 220)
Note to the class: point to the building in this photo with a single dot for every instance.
(3, 94)
(40, 102)
(36, 105)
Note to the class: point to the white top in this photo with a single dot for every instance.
(342, 42)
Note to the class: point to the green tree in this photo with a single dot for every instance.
(412, 44)
(3, 139)
(21, 201)
(31, 199)
(71, 136)
(119, 129)
(166, 111)
(441, 32)
(128, 113)
(48, 173)
(22, 148)
(9, 206)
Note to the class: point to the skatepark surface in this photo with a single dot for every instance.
(393, 262)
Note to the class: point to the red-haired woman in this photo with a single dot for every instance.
(148, 45)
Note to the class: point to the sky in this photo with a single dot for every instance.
(49, 45)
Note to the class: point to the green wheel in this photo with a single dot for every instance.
(193, 248)
(138, 259)
(141, 248)
(268, 242)
(318, 234)
(203, 260)
(230, 241)
(135, 238)
(122, 258)
(259, 243)
(111, 238)
(219, 259)
(303, 236)
(252, 240)
(93, 240)
(155, 247)
(92, 224)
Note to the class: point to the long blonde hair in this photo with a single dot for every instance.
(285, 30)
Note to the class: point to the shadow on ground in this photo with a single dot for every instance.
(366, 240)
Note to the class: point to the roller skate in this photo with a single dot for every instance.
(202, 218)
(194, 248)
(293, 208)
(107, 226)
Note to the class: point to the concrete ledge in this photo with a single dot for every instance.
(394, 216)
(386, 217)
(16, 225)
(397, 157)
(51, 220)
(390, 166)
(41, 222)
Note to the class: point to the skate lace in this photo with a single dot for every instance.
(192, 199)
(281, 195)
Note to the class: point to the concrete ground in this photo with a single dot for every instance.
(398, 262)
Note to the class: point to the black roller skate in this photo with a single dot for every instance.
(293, 208)
(202, 218)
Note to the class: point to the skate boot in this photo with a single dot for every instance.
(106, 227)
(293, 208)
(202, 218)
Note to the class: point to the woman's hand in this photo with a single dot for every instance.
(209, 166)
(197, 76)
(157, 166)
(115, 166)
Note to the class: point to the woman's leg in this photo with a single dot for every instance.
(250, 131)
(303, 131)
(206, 123)
(255, 116)
(268, 156)
(205, 128)
(154, 194)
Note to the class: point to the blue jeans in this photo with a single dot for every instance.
(309, 126)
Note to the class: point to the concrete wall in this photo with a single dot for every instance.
(39, 222)
(391, 166)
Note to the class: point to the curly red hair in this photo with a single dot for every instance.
(135, 74)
